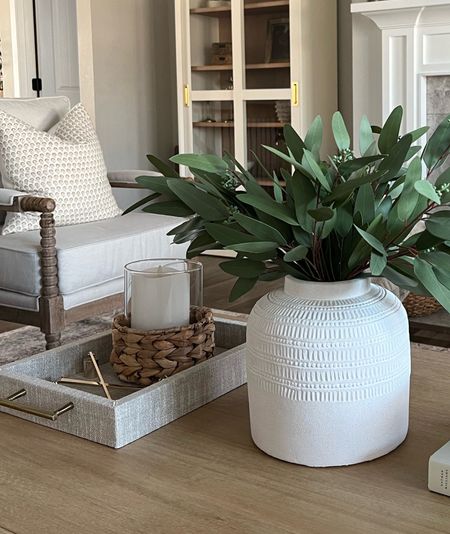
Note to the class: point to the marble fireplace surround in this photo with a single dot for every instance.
(397, 46)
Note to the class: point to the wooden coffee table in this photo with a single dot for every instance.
(202, 474)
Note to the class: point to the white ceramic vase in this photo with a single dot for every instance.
(328, 368)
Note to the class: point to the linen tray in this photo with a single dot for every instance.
(133, 413)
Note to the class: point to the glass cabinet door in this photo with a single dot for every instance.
(237, 71)
(267, 44)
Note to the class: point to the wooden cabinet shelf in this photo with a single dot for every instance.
(217, 124)
(256, 7)
(250, 66)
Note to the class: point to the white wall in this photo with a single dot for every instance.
(345, 60)
(129, 81)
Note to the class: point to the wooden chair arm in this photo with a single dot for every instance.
(30, 203)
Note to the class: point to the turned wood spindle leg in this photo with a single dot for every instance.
(50, 303)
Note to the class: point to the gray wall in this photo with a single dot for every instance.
(134, 78)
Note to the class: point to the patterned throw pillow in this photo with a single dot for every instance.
(67, 166)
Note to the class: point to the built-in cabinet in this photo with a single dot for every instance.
(247, 67)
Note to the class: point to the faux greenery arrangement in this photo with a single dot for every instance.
(347, 217)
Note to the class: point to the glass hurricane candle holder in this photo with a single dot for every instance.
(159, 293)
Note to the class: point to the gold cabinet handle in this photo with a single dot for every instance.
(186, 95)
(295, 94)
(51, 416)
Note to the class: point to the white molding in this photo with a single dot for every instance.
(86, 56)
(415, 39)
(23, 50)
(395, 5)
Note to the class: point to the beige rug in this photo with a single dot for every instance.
(28, 340)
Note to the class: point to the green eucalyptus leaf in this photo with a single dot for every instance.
(424, 272)
(443, 180)
(242, 286)
(192, 224)
(226, 235)
(313, 139)
(365, 204)
(162, 167)
(304, 195)
(371, 240)
(353, 165)
(412, 152)
(294, 142)
(321, 214)
(277, 189)
(344, 220)
(366, 138)
(243, 268)
(344, 190)
(328, 226)
(439, 225)
(203, 162)
(176, 208)
(271, 276)
(427, 190)
(314, 170)
(378, 263)
(437, 145)
(393, 163)
(390, 131)
(260, 229)
(417, 134)
(399, 278)
(141, 202)
(296, 254)
(340, 132)
(205, 205)
(408, 197)
(301, 237)
(201, 243)
(254, 247)
(269, 206)
(157, 184)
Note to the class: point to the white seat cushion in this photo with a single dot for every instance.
(89, 255)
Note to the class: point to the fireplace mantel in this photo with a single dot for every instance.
(396, 45)
(395, 5)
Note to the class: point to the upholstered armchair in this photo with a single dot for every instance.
(56, 275)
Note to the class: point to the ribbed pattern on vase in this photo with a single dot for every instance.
(328, 350)
(328, 377)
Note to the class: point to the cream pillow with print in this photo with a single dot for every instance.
(66, 165)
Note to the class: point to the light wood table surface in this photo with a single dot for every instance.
(202, 474)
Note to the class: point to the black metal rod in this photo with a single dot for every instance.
(36, 55)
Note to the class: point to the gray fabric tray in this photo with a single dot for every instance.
(119, 422)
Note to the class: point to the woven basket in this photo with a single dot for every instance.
(419, 305)
(147, 357)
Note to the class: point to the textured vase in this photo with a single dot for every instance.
(328, 368)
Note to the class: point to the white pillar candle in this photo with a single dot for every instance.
(160, 299)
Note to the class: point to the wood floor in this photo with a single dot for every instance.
(202, 474)
(217, 287)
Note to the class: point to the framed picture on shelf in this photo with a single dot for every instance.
(277, 42)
